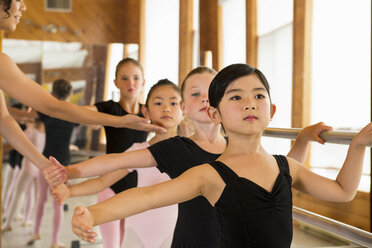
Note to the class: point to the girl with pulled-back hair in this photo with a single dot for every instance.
(249, 189)
(197, 224)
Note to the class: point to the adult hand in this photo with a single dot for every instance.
(55, 174)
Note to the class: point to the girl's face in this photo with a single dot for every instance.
(195, 96)
(164, 107)
(9, 22)
(129, 80)
(245, 107)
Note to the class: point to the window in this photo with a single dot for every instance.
(275, 61)
(341, 77)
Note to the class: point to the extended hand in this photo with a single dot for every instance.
(142, 124)
(82, 223)
(61, 193)
(55, 174)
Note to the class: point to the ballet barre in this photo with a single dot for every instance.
(335, 137)
(337, 228)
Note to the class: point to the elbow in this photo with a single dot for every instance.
(349, 196)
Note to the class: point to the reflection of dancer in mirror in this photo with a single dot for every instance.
(17, 85)
(197, 225)
(57, 143)
(27, 178)
(11, 172)
(249, 188)
(152, 228)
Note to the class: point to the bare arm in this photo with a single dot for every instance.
(14, 82)
(11, 131)
(22, 115)
(100, 165)
(301, 145)
(93, 108)
(346, 184)
(88, 187)
(136, 200)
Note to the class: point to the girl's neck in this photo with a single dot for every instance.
(243, 145)
(130, 105)
(171, 132)
(208, 136)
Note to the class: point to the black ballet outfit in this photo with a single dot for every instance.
(58, 135)
(15, 158)
(197, 225)
(252, 217)
(119, 140)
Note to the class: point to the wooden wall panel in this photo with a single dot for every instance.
(101, 22)
(251, 32)
(210, 21)
(186, 39)
(1, 143)
(355, 212)
(301, 78)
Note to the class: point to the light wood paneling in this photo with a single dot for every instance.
(301, 89)
(210, 16)
(101, 22)
(134, 25)
(186, 39)
(1, 143)
(251, 32)
(301, 74)
(355, 212)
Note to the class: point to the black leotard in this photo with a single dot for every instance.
(249, 215)
(119, 140)
(196, 223)
(15, 158)
(58, 134)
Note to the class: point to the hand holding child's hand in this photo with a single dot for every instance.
(61, 193)
(312, 133)
(82, 223)
(55, 174)
(364, 137)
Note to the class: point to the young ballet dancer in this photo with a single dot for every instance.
(12, 171)
(249, 188)
(18, 86)
(27, 178)
(162, 108)
(129, 79)
(57, 143)
(196, 223)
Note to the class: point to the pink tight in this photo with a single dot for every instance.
(43, 191)
(112, 232)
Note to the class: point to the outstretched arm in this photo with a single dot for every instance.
(136, 200)
(14, 82)
(301, 145)
(11, 131)
(100, 165)
(89, 187)
(346, 184)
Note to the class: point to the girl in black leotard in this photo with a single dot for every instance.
(249, 188)
(129, 79)
(197, 224)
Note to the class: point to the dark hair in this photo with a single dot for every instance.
(6, 6)
(197, 70)
(162, 82)
(227, 75)
(61, 89)
(126, 61)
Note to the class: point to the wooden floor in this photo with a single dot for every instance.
(19, 236)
